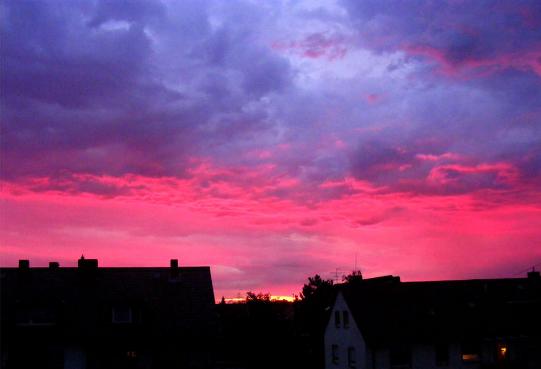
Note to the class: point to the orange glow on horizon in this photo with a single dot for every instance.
(240, 300)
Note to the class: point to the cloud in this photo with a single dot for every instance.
(455, 35)
(314, 46)
(286, 135)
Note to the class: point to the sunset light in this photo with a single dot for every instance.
(283, 184)
(273, 140)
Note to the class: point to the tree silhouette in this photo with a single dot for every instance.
(316, 288)
(252, 297)
(313, 311)
(353, 278)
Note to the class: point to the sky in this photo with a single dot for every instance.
(273, 140)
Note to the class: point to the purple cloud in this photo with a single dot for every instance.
(151, 88)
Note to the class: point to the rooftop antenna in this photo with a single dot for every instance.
(527, 269)
(335, 273)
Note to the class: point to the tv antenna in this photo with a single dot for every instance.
(530, 268)
(337, 274)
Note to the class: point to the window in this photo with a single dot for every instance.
(122, 314)
(351, 357)
(470, 352)
(502, 352)
(470, 358)
(346, 318)
(43, 316)
(400, 357)
(334, 354)
(337, 319)
(442, 354)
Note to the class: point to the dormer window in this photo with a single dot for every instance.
(122, 315)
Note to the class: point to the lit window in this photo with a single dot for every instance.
(122, 314)
(334, 354)
(470, 357)
(470, 353)
(503, 352)
(346, 319)
(351, 357)
(131, 354)
(337, 319)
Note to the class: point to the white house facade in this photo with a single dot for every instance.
(345, 346)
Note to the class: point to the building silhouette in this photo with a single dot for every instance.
(385, 323)
(89, 317)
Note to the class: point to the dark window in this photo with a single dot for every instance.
(337, 319)
(35, 316)
(442, 354)
(351, 357)
(470, 352)
(334, 354)
(122, 314)
(346, 318)
(400, 357)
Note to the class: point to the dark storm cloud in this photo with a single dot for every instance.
(462, 31)
(94, 88)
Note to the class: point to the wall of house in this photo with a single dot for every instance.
(344, 338)
(423, 356)
(74, 358)
(381, 359)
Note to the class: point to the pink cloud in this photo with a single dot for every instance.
(315, 46)
(447, 174)
(373, 98)
(444, 156)
(479, 66)
(255, 240)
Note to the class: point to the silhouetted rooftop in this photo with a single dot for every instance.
(79, 299)
(387, 310)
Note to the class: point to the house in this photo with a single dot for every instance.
(382, 323)
(89, 317)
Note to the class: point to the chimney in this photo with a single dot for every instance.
(24, 270)
(54, 265)
(174, 268)
(534, 275)
(24, 264)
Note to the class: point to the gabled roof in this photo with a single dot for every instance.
(388, 311)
